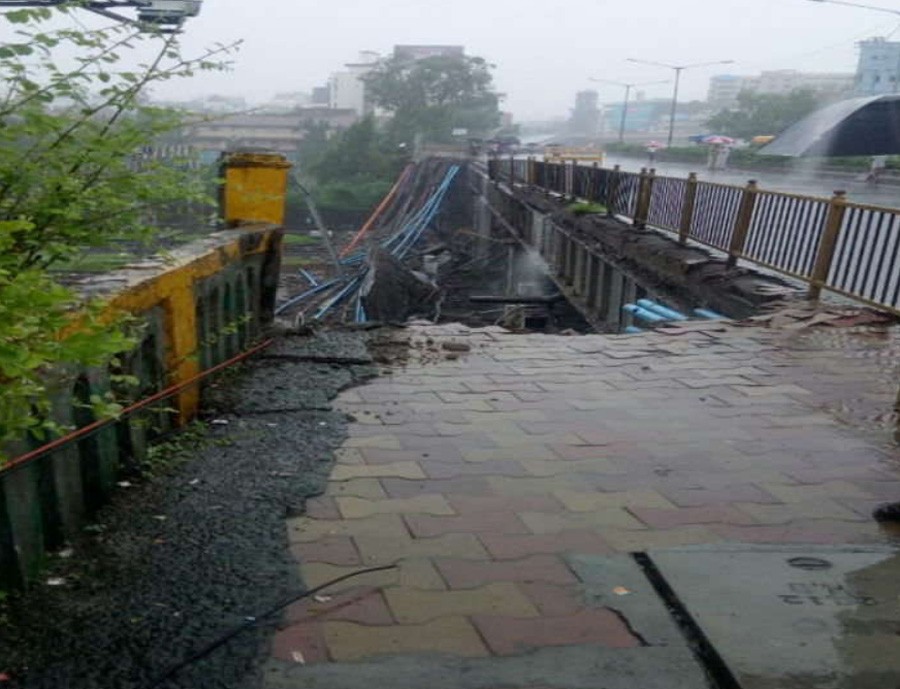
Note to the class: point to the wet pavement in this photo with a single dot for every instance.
(174, 563)
(803, 180)
(513, 477)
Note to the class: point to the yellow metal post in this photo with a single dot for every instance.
(612, 189)
(687, 209)
(255, 188)
(827, 244)
(645, 191)
(742, 223)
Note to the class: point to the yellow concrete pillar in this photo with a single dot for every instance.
(255, 188)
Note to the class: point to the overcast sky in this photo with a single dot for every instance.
(544, 51)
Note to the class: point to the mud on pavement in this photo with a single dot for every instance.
(174, 563)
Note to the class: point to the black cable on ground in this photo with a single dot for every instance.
(253, 621)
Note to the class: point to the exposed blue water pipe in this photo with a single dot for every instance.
(664, 311)
(310, 278)
(398, 244)
(641, 313)
(711, 315)
(281, 308)
(338, 298)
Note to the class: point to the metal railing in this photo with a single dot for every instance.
(831, 244)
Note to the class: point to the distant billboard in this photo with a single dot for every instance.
(420, 52)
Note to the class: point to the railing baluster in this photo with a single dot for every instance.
(827, 243)
(687, 210)
(742, 223)
(642, 205)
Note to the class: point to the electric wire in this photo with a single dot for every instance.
(251, 622)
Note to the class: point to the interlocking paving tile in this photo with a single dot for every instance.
(510, 635)
(478, 476)
(345, 472)
(584, 501)
(412, 606)
(461, 574)
(417, 573)
(425, 526)
(364, 605)
(384, 549)
(513, 546)
(454, 635)
(669, 518)
(359, 508)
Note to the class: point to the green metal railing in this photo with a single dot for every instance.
(832, 244)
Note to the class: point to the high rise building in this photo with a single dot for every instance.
(347, 90)
(878, 71)
(724, 90)
(585, 118)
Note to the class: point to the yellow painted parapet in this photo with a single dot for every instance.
(173, 288)
(255, 188)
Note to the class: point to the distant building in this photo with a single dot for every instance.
(420, 52)
(347, 90)
(287, 102)
(878, 71)
(725, 88)
(585, 118)
(648, 116)
(785, 81)
(320, 95)
(275, 132)
(208, 104)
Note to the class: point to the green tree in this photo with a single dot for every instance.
(72, 176)
(356, 168)
(434, 95)
(759, 114)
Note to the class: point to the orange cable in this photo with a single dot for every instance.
(163, 394)
(378, 211)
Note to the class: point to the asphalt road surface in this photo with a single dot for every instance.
(804, 180)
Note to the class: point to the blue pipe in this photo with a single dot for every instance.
(310, 278)
(338, 298)
(633, 330)
(670, 314)
(711, 315)
(300, 297)
(643, 314)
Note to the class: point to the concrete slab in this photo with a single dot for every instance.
(569, 667)
(794, 617)
(618, 583)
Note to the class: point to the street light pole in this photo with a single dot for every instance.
(624, 114)
(678, 70)
(628, 88)
(858, 5)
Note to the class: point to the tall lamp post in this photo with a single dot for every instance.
(858, 5)
(678, 70)
(873, 8)
(628, 88)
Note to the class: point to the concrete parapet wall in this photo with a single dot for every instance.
(203, 304)
(577, 249)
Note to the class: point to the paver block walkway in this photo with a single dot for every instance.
(483, 475)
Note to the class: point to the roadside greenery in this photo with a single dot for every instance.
(765, 114)
(74, 174)
(435, 95)
(425, 101)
